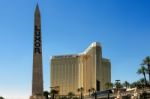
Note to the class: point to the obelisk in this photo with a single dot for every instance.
(37, 77)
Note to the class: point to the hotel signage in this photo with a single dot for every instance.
(37, 41)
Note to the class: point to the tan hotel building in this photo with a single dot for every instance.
(87, 70)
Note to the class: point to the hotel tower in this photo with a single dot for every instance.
(87, 69)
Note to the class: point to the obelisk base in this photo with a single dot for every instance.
(37, 97)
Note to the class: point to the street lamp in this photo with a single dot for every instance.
(117, 84)
(117, 80)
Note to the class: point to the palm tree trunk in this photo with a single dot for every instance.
(145, 79)
(53, 96)
(108, 96)
(149, 72)
(95, 95)
(81, 95)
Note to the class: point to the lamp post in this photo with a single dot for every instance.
(117, 84)
(108, 91)
(117, 87)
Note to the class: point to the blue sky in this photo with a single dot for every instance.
(69, 26)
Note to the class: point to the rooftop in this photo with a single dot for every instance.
(76, 55)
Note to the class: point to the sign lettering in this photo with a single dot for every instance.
(37, 41)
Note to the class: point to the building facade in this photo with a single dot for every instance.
(87, 70)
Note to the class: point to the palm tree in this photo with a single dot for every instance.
(138, 84)
(2, 97)
(94, 92)
(71, 94)
(142, 70)
(53, 93)
(118, 85)
(133, 84)
(46, 94)
(108, 85)
(89, 91)
(126, 84)
(62, 97)
(147, 62)
(141, 83)
(81, 91)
